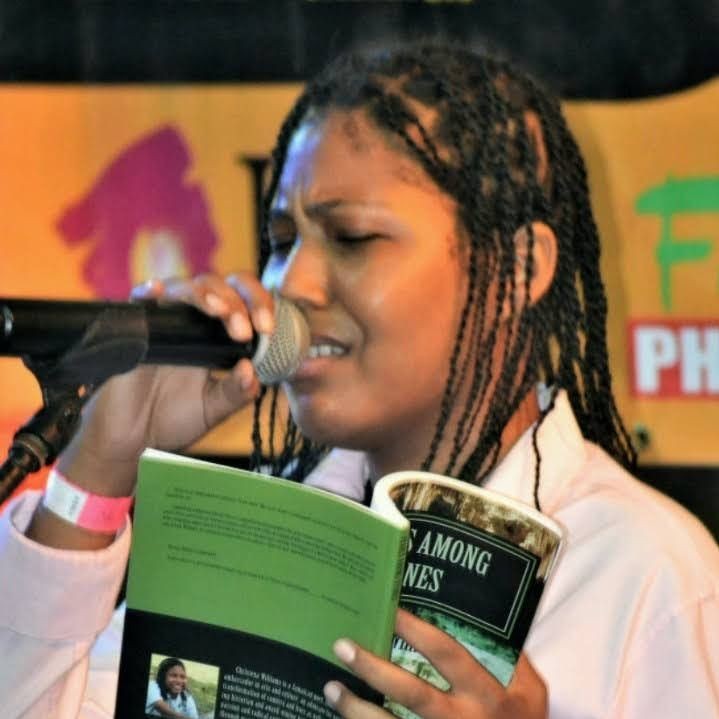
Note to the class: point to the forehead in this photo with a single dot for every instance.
(344, 155)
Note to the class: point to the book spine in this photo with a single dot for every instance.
(395, 589)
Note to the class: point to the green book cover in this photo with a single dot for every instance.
(248, 580)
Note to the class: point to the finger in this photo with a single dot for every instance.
(150, 289)
(213, 295)
(349, 705)
(257, 298)
(447, 655)
(391, 680)
(225, 394)
(210, 294)
(171, 288)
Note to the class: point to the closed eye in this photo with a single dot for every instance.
(281, 246)
(281, 232)
(349, 239)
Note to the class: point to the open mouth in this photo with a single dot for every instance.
(326, 350)
(325, 345)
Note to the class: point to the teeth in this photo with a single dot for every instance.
(325, 351)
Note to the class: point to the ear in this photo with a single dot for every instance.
(543, 265)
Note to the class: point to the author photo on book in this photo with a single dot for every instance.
(428, 213)
(168, 694)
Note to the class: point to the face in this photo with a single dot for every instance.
(366, 245)
(176, 680)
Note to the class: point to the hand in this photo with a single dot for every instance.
(474, 693)
(168, 407)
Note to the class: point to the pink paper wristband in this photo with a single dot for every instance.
(93, 512)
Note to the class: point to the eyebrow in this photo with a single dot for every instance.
(318, 209)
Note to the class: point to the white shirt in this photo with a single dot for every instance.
(186, 706)
(628, 627)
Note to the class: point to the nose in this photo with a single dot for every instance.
(304, 278)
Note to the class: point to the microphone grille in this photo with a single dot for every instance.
(279, 355)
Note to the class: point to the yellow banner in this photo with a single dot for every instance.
(654, 176)
(106, 186)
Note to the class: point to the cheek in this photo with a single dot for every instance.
(411, 317)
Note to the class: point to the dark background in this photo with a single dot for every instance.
(581, 49)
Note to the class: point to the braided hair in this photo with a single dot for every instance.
(462, 117)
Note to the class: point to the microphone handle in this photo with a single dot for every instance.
(175, 333)
(181, 334)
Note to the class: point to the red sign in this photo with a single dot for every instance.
(674, 358)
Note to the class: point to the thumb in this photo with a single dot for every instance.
(225, 394)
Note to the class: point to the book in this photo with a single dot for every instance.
(248, 580)
(477, 564)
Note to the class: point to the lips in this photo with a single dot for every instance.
(325, 350)
(323, 346)
(322, 352)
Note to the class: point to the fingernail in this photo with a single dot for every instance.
(240, 327)
(216, 303)
(332, 692)
(345, 650)
(264, 320)
(143, 289)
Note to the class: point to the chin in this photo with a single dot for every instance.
(330, 429)
(328, 434)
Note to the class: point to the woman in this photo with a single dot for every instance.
(428, 214)
(167, 694)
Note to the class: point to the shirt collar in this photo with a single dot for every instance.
(562, 451)
(561, 448)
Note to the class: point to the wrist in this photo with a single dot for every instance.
(48, 529)
(52, 530)
(94, 512)
(105, 477)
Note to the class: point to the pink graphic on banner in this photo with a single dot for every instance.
(142, 218)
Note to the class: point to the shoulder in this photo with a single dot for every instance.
(651, 519)
(153, 692)
(643, 544)
(637, 581)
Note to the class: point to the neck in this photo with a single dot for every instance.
(403, 455)
(526, 415)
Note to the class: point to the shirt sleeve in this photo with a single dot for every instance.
(153, 694)
(192, 708)
(51, 611)
(675, 673)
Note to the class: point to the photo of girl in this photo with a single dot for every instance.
(168, 694)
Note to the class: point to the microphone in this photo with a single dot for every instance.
(162, 333)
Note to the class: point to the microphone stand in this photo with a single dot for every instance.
(67, 381)
(39, 441)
